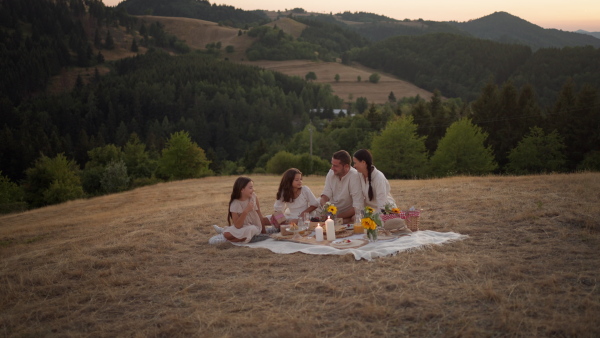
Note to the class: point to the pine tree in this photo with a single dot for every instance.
(109, 43)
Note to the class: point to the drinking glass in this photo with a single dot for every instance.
(306, 218)
(358, 215)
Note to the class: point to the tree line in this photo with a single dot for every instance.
(460, 66)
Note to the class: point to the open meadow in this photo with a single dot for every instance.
(139, 264)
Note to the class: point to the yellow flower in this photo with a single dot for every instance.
(369, 209)
(368, 224)
(332, 209)
(396, 210)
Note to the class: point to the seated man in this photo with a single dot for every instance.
(342, 187)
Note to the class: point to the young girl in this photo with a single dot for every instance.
(244, 217)
(293, 195)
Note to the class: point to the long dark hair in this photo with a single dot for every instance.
(365, 155)
(240, 183)
(285, 186)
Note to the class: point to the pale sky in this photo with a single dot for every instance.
(560, 14)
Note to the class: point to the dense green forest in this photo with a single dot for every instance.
(496, 108)
(459, 66)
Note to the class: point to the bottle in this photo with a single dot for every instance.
(319, 233)
(330, 227)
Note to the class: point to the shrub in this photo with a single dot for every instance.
(281, 162)
(51, 181)
(591, 162)
(374, 78)
(114, 178)
(537, 153)
(183, 158)
(11, 196)
(462, 151)
(398, 151)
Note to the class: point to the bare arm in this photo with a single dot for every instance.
(238, 218)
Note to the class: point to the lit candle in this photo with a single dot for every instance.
(319, 233)
(330, 226)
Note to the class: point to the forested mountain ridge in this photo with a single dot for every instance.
(504, 27)
(458, 65)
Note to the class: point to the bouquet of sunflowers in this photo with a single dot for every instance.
(371, 221)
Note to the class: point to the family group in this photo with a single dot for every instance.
(351, 184)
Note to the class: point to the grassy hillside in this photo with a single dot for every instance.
(138, 264)
(197, 34)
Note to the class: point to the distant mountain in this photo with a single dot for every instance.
(594, 34)
(504, 27)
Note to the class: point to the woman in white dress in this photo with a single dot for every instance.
(376, 188)
(294, 196)
(244, 217)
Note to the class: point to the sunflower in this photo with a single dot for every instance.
(368, 223)
(332, 209)
(395, 210)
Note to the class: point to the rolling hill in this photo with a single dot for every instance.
(504, 27)
(197, 33)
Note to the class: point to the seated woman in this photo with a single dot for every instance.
(244, 217)
(298, 198)
(376, 188)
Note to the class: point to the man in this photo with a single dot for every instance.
(342, 186)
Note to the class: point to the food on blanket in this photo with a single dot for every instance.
(315, 219)
(293, 226)
(346, 241)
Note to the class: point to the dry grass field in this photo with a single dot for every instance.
(138, 264)
(348, 88)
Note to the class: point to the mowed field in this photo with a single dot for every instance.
(138, 264)
(198, 33)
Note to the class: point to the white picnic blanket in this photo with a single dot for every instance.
(380, 248)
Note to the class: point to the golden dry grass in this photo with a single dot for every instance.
(289, 26)
(138, 264)
(348, 86)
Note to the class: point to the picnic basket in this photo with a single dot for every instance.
(411, 218)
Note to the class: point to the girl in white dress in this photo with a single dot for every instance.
(298, 198)
(244, 217)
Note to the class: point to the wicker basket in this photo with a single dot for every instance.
(412, 220)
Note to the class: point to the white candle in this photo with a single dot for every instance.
(330, 226)
(319, 233)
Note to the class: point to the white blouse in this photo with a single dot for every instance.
(381, 190)
(303, 201)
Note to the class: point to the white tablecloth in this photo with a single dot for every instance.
(380, 248)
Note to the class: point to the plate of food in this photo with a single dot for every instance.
(345, 242)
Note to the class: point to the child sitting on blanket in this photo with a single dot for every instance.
(298, 198)
(244, 217)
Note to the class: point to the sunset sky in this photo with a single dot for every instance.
(560, 14)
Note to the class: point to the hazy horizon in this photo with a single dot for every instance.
(563, 15)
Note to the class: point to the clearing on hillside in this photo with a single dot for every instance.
(198, 33)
